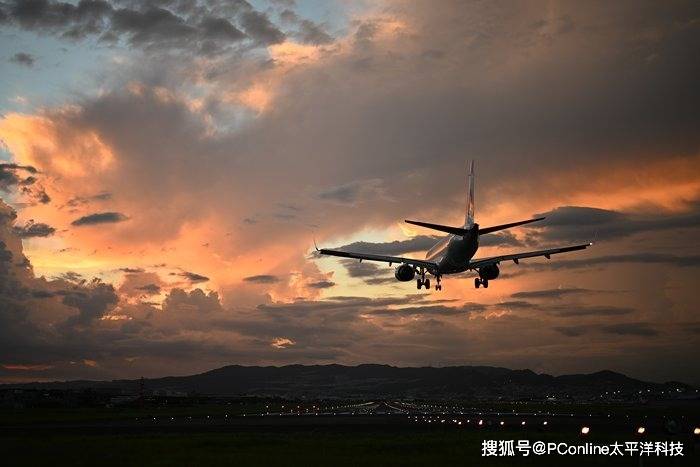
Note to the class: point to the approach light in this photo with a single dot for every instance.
(641, 430)
(585, 430)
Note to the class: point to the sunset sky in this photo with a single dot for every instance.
(166, 165)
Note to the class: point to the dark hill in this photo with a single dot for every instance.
(362, 381)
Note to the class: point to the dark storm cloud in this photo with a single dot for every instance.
(258, 26)
(191, 276)
(262, 279)
(131, 270)
(395, 248)
(100, 218)
(150, 288)
(34, 229)
(586, 223)
(426, 310)
(571, 311)
(690, 260)
(423, 243)
(92, 303)
(346, 194)
(9, 177)
(621, 329)
(551, 293)
(85, 200)
(24, 59)
(220, 28)
(363, 269)
(308, 31)
(203, 27)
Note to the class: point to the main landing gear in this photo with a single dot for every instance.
(479, 282)
(423, 281)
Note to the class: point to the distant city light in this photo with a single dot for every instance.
(641, 430)
(544, 423)
(502, 423)
(696, 431)
(585, 430)
(522, 423)
(481, 422)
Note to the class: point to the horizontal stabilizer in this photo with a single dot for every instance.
(441, 228)
(495, 228)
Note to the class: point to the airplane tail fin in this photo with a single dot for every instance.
(469, 215)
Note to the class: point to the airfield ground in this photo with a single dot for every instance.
(264, 434)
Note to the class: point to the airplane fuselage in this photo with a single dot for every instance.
(452, 253)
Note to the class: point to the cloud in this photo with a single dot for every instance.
(640, 329)
(689, 260)
(206, 27)
(259, 27)
(9, 177)
(196, 301)
(552, 293)
(262, 279)
(586, 223)
(34, 229)
(23, 59)
(325, 284)
(100, 218)
(151, 289)
(191, 276)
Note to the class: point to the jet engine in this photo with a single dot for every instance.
(404, 273)
(489, 272)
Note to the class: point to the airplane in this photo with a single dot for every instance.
(453, 254)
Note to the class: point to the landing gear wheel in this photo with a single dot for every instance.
(485, 283)
(477, 282)
(419, 283)
(427, 283)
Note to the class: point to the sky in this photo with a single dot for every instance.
(165, 167)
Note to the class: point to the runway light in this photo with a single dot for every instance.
(585, 430)
(641, 430)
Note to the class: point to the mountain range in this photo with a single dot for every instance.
(373, 381)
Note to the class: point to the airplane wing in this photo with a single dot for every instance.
(478, 263)
(429, 265)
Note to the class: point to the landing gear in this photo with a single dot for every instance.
(438, 286)
(479, 282)
(422, 281)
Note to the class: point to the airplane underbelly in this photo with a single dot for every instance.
(457, 256)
